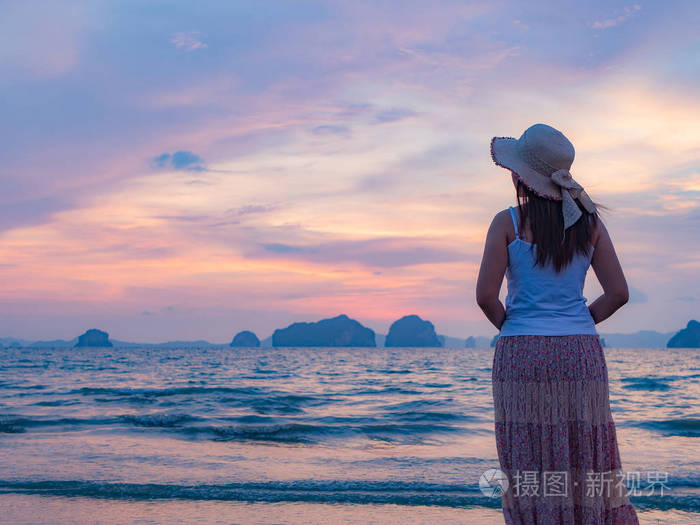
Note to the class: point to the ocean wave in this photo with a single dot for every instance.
(286, 404)
(158, 420)
(57, 403)
(14, 386)
(645, 383)
(688, 427)
(416, 462)
(413, 427)
(260, 400)
(414, 404)
(165, 392)
(282, 433)
(432, 416)
(331, 491)
(380, 391)
(315, 431)
(427, 410)
(11, 426)
(20, 424)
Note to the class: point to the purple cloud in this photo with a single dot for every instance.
(386, 252)
(329, 129)
(393, 115)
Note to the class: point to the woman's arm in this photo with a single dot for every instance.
(609, 272)
(493, 268)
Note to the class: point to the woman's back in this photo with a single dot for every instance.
(541, 301)
(549, 377)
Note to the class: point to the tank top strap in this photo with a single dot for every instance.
(515, 221)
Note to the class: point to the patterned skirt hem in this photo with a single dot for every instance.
(556, 438)
(573, 515)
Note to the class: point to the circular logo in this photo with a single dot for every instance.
(493, 483)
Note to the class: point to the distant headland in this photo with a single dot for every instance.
(688, 337)
(336, 331)
(411, 330)
(94, 337)
(343, 331)
(246, 338)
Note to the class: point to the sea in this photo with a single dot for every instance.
(304, 435)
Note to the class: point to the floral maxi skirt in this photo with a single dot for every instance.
(555, 435)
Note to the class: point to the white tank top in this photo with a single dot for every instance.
(541, 301)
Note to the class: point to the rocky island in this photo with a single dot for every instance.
(93, 337)
(412, 331)
(336, 331)
(246, 338)
(688, 337)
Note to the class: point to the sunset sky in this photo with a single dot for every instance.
(186, 170)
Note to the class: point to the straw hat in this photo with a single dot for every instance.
(541, 158)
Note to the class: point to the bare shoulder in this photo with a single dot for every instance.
(501, 225)
(502, 219)
(503, 216)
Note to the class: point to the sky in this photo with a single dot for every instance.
(186, 170)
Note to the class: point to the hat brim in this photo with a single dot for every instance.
(504, 154)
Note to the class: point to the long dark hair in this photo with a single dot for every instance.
(547, 226)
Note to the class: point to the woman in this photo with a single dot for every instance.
(555, 434)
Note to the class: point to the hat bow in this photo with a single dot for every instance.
(570, 190)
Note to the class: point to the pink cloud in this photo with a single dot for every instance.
(627, 13)
(188, 40)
